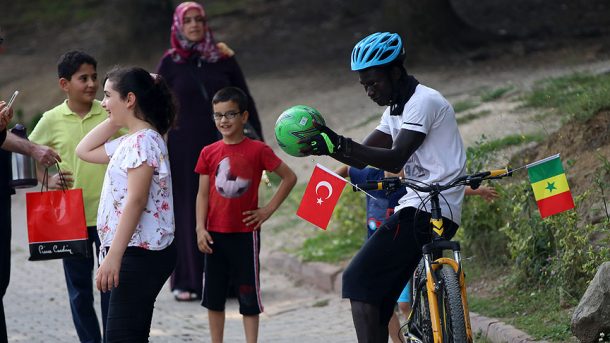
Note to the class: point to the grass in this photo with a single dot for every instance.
(535, 311)
(345, 234)
(486, 96)
(529, 311)
(490, 95)
(332, 246)
(508, 141)
(465, 105)
(577, 95)
(472, 116)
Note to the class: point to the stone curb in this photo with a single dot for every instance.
(324, 276)
(327, 277)
(496, 331)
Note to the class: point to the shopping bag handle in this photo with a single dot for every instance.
(45, 179)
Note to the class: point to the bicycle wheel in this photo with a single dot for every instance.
(420, 324)
(450, 305)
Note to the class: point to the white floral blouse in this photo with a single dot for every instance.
(155, 231)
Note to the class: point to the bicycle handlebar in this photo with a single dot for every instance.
(393, 183)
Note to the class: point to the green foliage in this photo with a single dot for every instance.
(556, 252)
(481, 220)
(552, 260)
(479, 234)
(577, 95)
(602, 181)
(345, 235)
(494, 94)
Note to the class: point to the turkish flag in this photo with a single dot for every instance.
(321, 196)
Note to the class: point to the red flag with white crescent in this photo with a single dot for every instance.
(321, 196)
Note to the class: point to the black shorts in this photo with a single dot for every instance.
(234, 263)
(385, 263)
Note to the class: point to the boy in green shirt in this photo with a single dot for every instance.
(62, 128)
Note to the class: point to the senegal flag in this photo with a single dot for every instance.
(550, 186)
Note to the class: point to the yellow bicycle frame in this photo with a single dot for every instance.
(437, 226)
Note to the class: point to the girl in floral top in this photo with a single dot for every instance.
(135, 219)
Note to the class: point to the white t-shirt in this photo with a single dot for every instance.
(155, 230)
(440, 158)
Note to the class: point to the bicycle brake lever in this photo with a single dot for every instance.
(474, 184)
(391, 184)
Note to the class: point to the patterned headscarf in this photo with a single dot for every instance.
(182, 49)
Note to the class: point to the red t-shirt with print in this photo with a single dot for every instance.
(235, 173)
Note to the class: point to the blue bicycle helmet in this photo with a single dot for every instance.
(377, 49)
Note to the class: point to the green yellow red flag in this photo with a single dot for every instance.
(550, 186)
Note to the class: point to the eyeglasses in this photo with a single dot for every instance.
(229, 115)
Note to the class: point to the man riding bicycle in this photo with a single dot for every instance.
(417, 133)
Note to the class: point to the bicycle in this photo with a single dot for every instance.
(440, 307)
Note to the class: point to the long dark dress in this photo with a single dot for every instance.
(194, 84)
(5, 230)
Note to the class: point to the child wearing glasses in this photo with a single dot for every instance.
(228, 215)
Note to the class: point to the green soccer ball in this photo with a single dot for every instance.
(295, 124)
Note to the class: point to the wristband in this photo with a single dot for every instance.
(347, 147)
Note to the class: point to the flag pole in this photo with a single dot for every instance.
(542, 161)
(342, 178)
(535, 163)
(362, 190)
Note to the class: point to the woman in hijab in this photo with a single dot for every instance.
(195, 68)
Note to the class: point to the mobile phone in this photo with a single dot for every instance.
(10, 102)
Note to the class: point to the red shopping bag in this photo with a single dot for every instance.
(56, 224)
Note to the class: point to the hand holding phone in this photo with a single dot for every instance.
(5, 112)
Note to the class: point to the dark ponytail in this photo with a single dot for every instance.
(154, 101)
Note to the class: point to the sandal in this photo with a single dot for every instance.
(181, 295)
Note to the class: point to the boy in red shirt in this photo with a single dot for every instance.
(227, 212)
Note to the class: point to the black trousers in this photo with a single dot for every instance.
(5, 257)
(385, 263)
(143, 273)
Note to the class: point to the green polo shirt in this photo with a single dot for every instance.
(62, 130)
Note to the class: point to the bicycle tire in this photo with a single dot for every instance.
(420, 323)
(452, 315)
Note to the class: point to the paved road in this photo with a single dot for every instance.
(37, 308)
